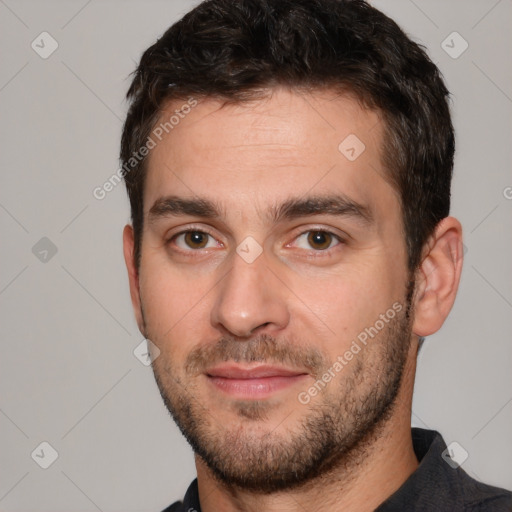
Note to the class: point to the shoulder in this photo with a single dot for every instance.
(177, 506)
(189, 504)
(477, 496)
(439, 483)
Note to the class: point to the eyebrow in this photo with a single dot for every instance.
(293, 208)
(173, 206)
(337, 205)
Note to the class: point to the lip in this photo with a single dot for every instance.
(253, 383)
(256, 372)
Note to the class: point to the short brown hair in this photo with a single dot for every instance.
(236, 49)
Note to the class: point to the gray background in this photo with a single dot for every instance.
(67, 369)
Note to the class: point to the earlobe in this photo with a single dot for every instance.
(133, 273)
(438, 277)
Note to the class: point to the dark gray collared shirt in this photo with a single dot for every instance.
(435, 486)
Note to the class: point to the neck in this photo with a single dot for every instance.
(361, 482)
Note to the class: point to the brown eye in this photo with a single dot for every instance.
(319, 240)
(196, 239)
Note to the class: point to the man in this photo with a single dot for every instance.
(288, 164)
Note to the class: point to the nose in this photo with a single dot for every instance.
(250, 300)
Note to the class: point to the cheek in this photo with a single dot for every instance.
(174, 307)
(342, 304)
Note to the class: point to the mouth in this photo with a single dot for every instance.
(257, 382)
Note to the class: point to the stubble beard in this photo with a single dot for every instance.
(333, 433)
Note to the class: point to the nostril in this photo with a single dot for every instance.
(260, 327)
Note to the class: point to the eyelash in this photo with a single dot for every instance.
(192, 230)
(317, 253)
(321, 252)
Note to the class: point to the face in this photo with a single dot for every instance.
(273, 282)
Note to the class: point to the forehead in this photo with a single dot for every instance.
(254, 154)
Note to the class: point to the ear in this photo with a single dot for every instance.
(133, 274)
(438, 277)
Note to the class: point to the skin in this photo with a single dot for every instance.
(250, 159)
